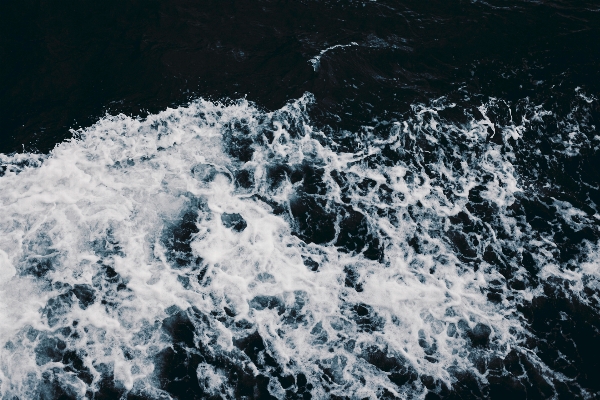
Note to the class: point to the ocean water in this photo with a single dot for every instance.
(383, 231)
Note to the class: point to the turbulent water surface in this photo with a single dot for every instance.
(362, 200)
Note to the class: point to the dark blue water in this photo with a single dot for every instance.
(309, 199)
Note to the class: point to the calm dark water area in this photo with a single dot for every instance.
(343, 199)
(64, 64)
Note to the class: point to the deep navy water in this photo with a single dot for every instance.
(299, 199)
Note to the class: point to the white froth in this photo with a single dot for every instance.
(126, 181)
(316, 60)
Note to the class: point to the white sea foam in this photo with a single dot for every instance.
(316, 60)
(107, 200)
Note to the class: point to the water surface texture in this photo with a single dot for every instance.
(296, 200)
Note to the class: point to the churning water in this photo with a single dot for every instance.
(221, 250)
(417, 217)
